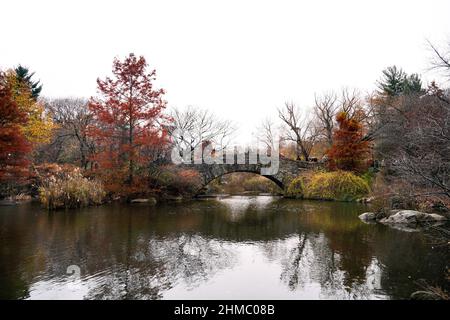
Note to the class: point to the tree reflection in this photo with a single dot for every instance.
(316, 249)
(155, 265)
(292, 267)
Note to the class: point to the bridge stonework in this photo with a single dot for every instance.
(287, 170)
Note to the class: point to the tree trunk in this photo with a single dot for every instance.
(298, 148)
(130, 155)
(305, 154)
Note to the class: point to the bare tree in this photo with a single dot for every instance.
(440, 60)
(425, 151)
(325, 110)
(299, 128)
(414, 141)
(193, 127)
(376, 116)
(73, 118)
(267, 133)
(352, 103)
(363, 109)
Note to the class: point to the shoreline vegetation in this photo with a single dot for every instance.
(389, 148)
(335, 185)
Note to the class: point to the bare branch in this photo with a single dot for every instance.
(299, 128)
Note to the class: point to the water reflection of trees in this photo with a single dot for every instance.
(121, 254)
(311, 261)
(329, 249)
(350, 259)
(142, 264)
(141, 253)
(156, 265)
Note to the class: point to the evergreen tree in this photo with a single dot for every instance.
(413, 84)
(23, 75)
(392, 82)
(396, 82)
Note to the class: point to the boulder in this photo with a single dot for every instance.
(139, 201)
(392, 212)
(368, 216)
(143, 200)
(412, 217)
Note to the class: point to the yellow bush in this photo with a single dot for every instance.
(296, 188)
(70, 191)
(336, 185)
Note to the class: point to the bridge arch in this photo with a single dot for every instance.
(287, 170)
(274, 179)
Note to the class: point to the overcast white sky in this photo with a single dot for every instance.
(241, 59)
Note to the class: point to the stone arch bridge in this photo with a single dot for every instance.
(287, 169)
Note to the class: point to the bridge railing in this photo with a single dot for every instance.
(235, 156)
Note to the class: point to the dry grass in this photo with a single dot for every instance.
(70, 190)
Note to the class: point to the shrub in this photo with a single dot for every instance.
(336, 185)
(369, 176)
(70, 190)
(296, 188)
(173, 180)
(390, 192)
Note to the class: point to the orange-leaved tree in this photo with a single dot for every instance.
(39, 125)
(14, 146)
(349, 150)
(128, 117)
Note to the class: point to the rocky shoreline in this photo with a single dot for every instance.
(403, 219)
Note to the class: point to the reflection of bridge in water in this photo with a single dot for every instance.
(284, 170)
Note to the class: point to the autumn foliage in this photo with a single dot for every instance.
(14, 146)
(128, 116)
(23, 126)
(349, 151)
(39, 125)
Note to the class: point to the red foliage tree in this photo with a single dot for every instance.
(14, 147)
(349, 151)
(127, 119)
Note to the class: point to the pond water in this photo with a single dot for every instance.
(232, 248)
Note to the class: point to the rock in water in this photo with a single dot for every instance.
(367, 216)
(412, 217)
(148, 201)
